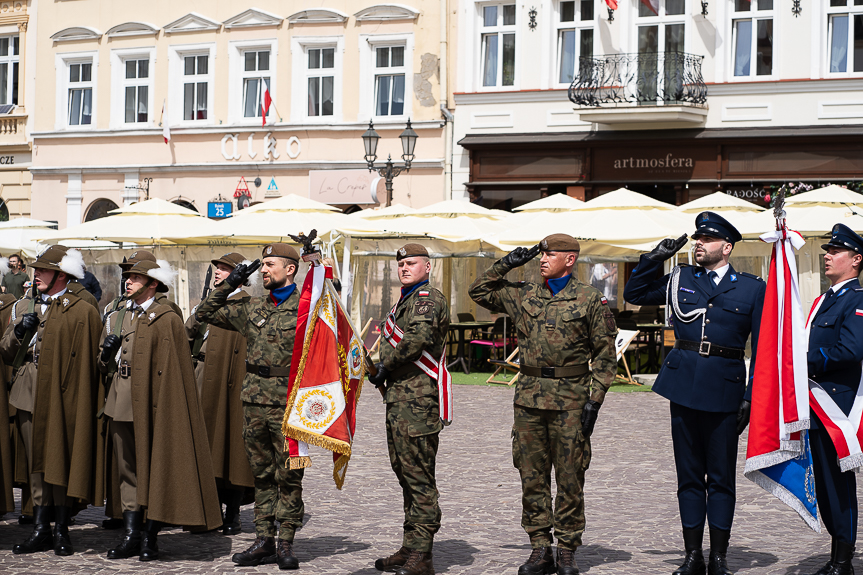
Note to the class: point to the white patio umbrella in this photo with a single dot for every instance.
(831, 195)
(393, 211)
(813, 213)
(552, 203)
(623, 199)
(718, 202)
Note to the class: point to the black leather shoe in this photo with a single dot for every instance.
(693, 563)
(262, 550)
(231, 521)
(112, 523)
(62, 542)
(718, 548)
(827, 568)
(394, 561)
(41, 539)
(540, 562)
(285, 556)
(842, 560)
(149, 545)
(566, 562)
(130, 546)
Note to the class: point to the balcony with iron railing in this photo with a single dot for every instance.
(640, 88)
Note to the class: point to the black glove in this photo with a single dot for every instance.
(242, 273)
(380, 378)
(743, 416)
(588, 417)
(519, 256)
(28, 322)
(667, 248)
(110, 347)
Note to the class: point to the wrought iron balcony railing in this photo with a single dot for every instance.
(647, 79)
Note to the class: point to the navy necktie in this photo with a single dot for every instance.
(712, 275)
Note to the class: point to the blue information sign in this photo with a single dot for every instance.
(219, 209)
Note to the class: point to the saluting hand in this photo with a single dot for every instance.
(519, 256)
(241, 273)
(667, 248)
(28, 322)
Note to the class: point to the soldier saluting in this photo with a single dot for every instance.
(563, 325)
(714, 308)
(414, 333)
(269, 324)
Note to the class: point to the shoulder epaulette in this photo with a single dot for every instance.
(749, 275)
(858, 289)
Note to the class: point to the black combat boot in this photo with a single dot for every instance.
(718, 548)
(394, 561)
(842, 560)
(25, 519)
(149, 545)
(693, 564)
(130, 546)
(231, 521)
(62, 542)
(285, 555)
(828, 568)
(418, 563)
(566, 562)
(263, 550)
(540, 562)
(41, 538)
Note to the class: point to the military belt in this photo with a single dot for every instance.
(125, 371)
(268, 370)
(551, 372)
(707, 349)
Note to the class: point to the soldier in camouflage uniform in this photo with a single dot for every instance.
(563, 326)
(269, 325)
(413, 411)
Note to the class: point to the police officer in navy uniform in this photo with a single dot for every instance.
(713, 309)
(835, 353)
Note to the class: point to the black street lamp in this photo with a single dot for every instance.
(389, 170)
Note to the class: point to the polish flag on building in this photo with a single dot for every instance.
(327, 372)
(166, 130)
(266, 101)
(611, 4)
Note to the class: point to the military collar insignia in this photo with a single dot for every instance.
(152, 315)
(687, 290)
(698, 274)
(402, 252)
(269, 250)
(733, 277)
(842, 291)
(65, 302)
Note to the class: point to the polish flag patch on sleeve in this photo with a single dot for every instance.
(605, 302)
(860, 312)
(423, 294)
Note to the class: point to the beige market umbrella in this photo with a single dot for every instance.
(718, 202)
(831, 195)
(813, 213)
(456, 208)
(393, 211)
(151, 222)
(552, 203)
(623, 199)
(290, 203)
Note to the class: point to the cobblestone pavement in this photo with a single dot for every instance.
(632, 524)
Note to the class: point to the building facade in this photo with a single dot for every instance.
(673, 98)
(127, 75)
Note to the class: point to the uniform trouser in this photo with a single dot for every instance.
(413, 436)
(542, 439)
(835, 491)
(278, 490)
(705, 454)
(43, 493)
(123, 447)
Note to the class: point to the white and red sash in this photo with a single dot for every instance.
(435, 369)
(844, 430)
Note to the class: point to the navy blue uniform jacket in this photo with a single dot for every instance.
(836, 345)
(734, 307)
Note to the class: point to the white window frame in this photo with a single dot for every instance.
(480, 30)
(61, 108)
(319, 73)
(661, 21)
(11, 60)
(237, 76)
(829, 11)
(300, 73)
(368, 44)
(754, 16)
(176, 62)
(579, 26)
(119, 83)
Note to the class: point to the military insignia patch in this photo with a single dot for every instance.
(260, 319)
(687, 290)
(543, 245)
(609, 321)
(733, 278)
(269, 249)
(134, 255)
(65, 301)
(423, 294)
(423, 307)
(705, 218)
(603, 300)
(152, 315)
(402, 252)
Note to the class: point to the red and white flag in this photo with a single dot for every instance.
(166, 130)
(653, 5)
(327, 372)
(611, 4)
(266, 101)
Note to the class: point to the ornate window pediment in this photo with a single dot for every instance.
(76, 33)
(387, 12)
(132, 29)
(253, 17)
(317, 16)
(192, 22)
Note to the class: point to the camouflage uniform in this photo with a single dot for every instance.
(571, 328)
(269, 331)
(413, 415)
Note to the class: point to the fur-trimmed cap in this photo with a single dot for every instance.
(160, 270)
(138, 256)
(61, 259)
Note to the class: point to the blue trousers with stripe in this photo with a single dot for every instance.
(836, 491)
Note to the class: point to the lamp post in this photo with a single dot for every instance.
(389, 170)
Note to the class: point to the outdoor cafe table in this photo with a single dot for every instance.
(652, 331)
(462, 327)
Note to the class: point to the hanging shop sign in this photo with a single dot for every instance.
(219, 209)
(345, 186)
(654, 163)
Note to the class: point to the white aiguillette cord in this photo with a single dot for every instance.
(671, 294)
